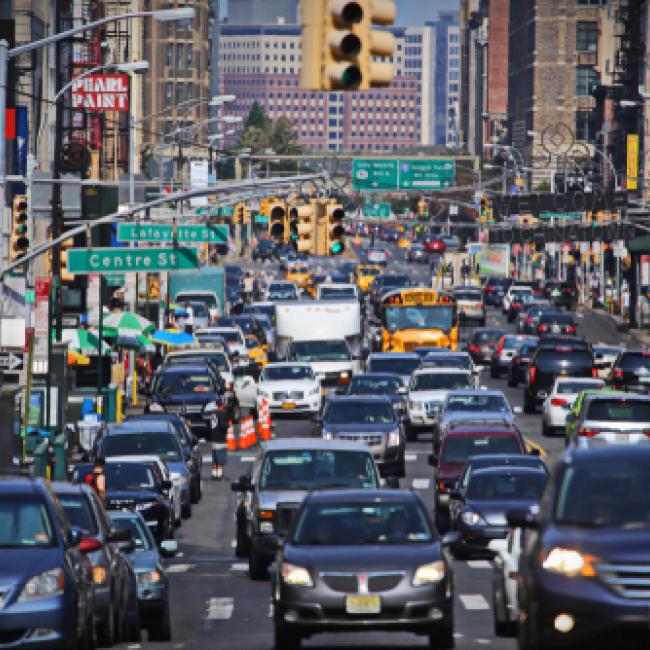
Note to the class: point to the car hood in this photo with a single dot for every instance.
(476, 415)
(20, 564)
(131, 495)
(186, 398)
(414, 338)
(177, 466)
(429, 395)
(288, 385)
(268, 499)
(323, 367)
(450, 471)
(144, 560)
(613, 544)
(370, 558)
(495, 511)
(357, 427)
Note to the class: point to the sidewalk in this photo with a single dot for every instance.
(641, 336)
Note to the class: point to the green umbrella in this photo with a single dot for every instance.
(84, 341)
(126, 322)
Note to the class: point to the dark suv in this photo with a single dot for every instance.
(583, 577)
(631, 371)
(549, 363)
(265, 250)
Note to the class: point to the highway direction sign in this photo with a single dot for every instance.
(163, 233)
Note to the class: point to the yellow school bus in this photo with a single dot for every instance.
(298, 272)
(413, 318)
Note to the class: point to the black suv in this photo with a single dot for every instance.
(547, 364)
(583, 577)
(265, 250)
(631, 371)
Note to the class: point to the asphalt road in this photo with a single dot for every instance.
(216, 604)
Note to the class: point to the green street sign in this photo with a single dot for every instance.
(416, 174)
(30, 296)
(261, 218)
(121, 260)
(226, 212)
(559, 215)
(379, 210)
(163, 233)
(115, 279)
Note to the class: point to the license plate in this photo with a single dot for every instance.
(644, 380)
(362, 604)
(323, 391)
(556, 329)
(288, 405)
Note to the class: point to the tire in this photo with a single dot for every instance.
(546, 432)
(459, 552)
(106, 631)
(494, 371)
(529, 405)
(512, 382)
(134, 631)
(527, 639)
(504, 628)
(401, 472)
(186, 510)
(284, 639)
(162, 631)
(442, 637)
(257, 568)
(242, 548)
(195, 492)
(411, 435)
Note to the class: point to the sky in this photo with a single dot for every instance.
(409, 12)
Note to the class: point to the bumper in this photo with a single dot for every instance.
(478, 538)
(556, 418)
(38, 625)
(388, 467)
(151, 609)
(298, 406)
(420, 419)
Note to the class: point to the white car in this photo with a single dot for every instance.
(559, 401)
(234, 338)
(427, 391)
(290, 387)
(505, 604)
(604, 358)
(515, 288)
(174, 477)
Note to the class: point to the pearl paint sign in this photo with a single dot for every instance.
(101, 92)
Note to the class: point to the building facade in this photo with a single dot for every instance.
(262, 12)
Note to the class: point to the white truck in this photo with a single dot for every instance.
(325, 334)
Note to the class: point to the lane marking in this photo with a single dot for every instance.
(270, 613)
(233, 543)
(421, 483)
(483, 641)
(219, 608)
(409, 458)
(179, 568)
(206, 459)
(479, 564)
(247, 459)
(239, 566)
(473, 601)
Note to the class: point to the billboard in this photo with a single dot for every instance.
(101, 92)
(491, 260)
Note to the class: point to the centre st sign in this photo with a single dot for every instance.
(121, 260)
(163, 233)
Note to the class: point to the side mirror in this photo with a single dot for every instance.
(432, 459)
(457, 495)
(402, 390)
(517, 410)
(243, 485)
(119, 535)
(166, 484)
(451, 538)
(274, 542)
(89, 545)
(168, 547)
(521, 518)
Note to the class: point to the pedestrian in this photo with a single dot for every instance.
(248, 286)
(219, 451)
(97, 479)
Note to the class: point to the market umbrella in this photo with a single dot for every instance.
(84, 341)
(126, 322)
(77, 359)
(135, 342)
(172, 337)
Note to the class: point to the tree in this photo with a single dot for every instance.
(257, 118)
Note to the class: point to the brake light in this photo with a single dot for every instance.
(529, 320)
(532, 374)
(473, 348)
(489, 289)
(618, 373)
(594, 372)
(588, 433)
(516, 305)
(441, 486)
(570, 329)
(566, 290)
(558, 401)
(542, 328)
(537, 292)
(517, 360)
(501, 344)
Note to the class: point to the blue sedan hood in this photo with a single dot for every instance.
(135, 495)
(144, 560)
(26, 562)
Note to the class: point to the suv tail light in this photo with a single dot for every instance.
(501, 344)
(542, 328)
(594, 372)
(441, 486)
(588, 433)
(570, 329)
(618, 373)
(473, 348)
(532, 374)
(529, 320)
(558, 401)
(516, 305)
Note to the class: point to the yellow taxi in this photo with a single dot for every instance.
(255, 350)
(403, 242)
(364, 274)
(300, 273)
(314, 280)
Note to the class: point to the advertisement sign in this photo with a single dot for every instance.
(491, 260)
(198, 180)
(101, 92)
(41, 315)
(632, 167)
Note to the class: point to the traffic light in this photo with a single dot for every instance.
(239, 213)
(278, 218)
(423, 212)
(485, 207)
(335, 231)
(153, 286)
(19, 236)
(302, 219)
(339, 43)
(64, 274)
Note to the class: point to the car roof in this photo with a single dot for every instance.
(153, 424)
(466, 392)
(132, 458)
(358, 398)
(185, 367)
(510, 469)
(22, 485)
(605, 452)
(61, 487)
(596, 395)
(393, 355)
(377, 375)
(441, 371)
(124, 514)
(481, 430)
(297, 444)
(379, 495)
(488, 460)
(287, 364)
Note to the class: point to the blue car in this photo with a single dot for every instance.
(46, 587)
(152, 581)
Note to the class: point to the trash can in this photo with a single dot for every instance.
(109, 403)
(59, 458)
(88, 432)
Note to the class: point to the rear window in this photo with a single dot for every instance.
(488, 335)
(556, 318)
(566, 354)
(634, 361)
(459, 449)
(620, 409)
(468, 295)
(567, 387)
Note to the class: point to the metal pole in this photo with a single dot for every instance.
(100, 359)
(161, 162)
(131, 156)
(4, 62)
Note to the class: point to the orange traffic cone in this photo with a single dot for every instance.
(253, 431)
(243, 434)
(231, 442)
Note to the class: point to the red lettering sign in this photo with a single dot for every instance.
(101, 92)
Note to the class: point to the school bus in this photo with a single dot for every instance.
(413, 318)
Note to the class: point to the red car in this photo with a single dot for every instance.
(434, 246)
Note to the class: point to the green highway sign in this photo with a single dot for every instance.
(372, 174)
(379, 210)
(261, 218)
(194, 233)
(226, 211)
(115, 279)
(121, 260)
(559, 215)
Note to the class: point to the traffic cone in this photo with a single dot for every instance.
(231, 442)
(243, 434)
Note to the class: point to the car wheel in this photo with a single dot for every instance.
(442, 637)
(106, 631)
(162, 631)
(133, 630)
(527, 639)
(546, 432)
(285, 639)
(195, 492)
(494, 371)
(186, 510)
(411, 435)
(529, 405)
(401, 472)
(257, 568)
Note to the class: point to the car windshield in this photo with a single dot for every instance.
(24, 522)
(526, 349)
(605, 351)
(487, 336)
(444, 360)
(568, 387)
(513, 342)
(555, 317)
(218, 359)
(397, 365)
(620, 409)
(141, 540)
(374, 386)
(333, 292)
(355, 412)
(286, 373)
(319, 351)
(635, 361)
(605, 492)
(128, 476)
(357, 524)
(507, 486)
(457, 449)
(396, 281)
(312, 469)
(77, 509)
(169, 383)
(477, 403)
(368, 271)
(244, 324)
(427, 317)
(474, 296)
(441, 381)
(206, 300)
(199, 309)
(142, 444)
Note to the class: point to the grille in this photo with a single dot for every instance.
(432, 407)
(627, 580)
(121, 504)
(284, 513)
(346, 582)
(372, 440)
(384, 581)
(292, 394)
(185, 408)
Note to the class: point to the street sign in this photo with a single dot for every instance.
(560, 215)
(115, 279)
(261, 218)
(164, 233)
(404, 174)
(11, 361)
(111, 260)
(379, 210)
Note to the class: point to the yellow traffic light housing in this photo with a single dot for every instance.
(423, 212)
(335, 230)
(339, 43)
(302, 220)
(484, 211)
(19, 228)
(64, 274)
(278, 221)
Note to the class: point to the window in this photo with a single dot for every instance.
(169, 92)
(587, 37)
(169, 54)
(586, 80)
(190, 57)
(179, 93)
(584, 126)
(180, 56)
(591, 3)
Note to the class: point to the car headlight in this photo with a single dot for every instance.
(149, 577)
(472, 518)
(569, 562)
(429, 573)
(154, 407)
(315, 390)
(328, 435)
(266, 527)
(145, 505)
(99, 575)
(211, 407)
(296, 576)
(263, 393)
(394, 439)
(44, 585)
